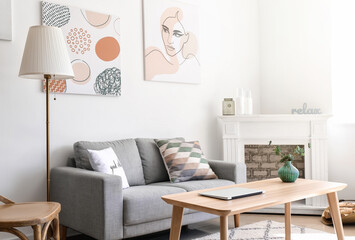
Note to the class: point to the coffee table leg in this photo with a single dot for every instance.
(288, 221)
(176, 221)
(223, 227)
(335, 212)
(236, 220)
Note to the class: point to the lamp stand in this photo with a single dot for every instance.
(46, 45)
(47, 77)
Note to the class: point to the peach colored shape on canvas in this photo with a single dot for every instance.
(156, 63)
(56, 86)
(81, 71)
(78, 40)
(107, 49)
(98, 20)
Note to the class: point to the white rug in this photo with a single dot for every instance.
(270, 230)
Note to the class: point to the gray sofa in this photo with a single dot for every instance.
(94, 203)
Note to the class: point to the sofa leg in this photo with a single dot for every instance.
(185, 228)
(63, 232)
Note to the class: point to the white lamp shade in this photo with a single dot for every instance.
(45, 53)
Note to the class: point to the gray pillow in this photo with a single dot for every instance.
(153, 166)
(126, 151)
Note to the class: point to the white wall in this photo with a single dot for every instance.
(342, 126)
(295, 54)
(229, 57)
(343, 61)
(306, 54)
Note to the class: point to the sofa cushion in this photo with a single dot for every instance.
(196, 185)
(106, 161)
(152, 162)
(126, 151)
(144, 204)
(184, 160)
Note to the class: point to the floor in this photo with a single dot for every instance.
(211, 226)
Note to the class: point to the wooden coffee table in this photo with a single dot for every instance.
(276, 192)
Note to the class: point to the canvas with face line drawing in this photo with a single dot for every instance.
(171, 41)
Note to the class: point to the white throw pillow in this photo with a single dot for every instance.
(106, 161)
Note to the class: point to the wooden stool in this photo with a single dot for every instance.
(34, 214)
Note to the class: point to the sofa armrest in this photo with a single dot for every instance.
(92, 202)
(235, 172)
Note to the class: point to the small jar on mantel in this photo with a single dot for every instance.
(228, 107)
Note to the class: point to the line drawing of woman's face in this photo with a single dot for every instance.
(173, 35)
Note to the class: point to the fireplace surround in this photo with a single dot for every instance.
(282, 129)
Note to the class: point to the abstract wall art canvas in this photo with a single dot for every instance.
(93, 41)
(171, 41)
(5, 20)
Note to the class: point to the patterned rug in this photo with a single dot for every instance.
(270, 230)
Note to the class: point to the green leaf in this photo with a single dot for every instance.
(288, 157)
(277, 150)
(299, 150)
(284, 159)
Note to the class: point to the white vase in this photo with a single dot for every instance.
(239, 102)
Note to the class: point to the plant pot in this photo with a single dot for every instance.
(288, 173)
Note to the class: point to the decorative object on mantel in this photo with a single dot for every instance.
(228, 107)
(248, 103)
(306, 110)
(288, 172)
(5, 20)
(239, 101)
(171, 41)
(244, 102)
(47, 46)
(93, 42)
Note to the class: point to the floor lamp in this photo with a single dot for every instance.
(46, 57)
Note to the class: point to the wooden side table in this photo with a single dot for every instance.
(39, 215)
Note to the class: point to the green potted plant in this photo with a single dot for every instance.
(288, 172)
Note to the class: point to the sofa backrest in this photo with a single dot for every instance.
(152, 162)
(153, 165)
(126, 151)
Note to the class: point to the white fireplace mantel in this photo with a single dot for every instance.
(287, 129)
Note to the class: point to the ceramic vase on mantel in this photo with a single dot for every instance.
(288, 172)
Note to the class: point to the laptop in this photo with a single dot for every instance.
(232, 193)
